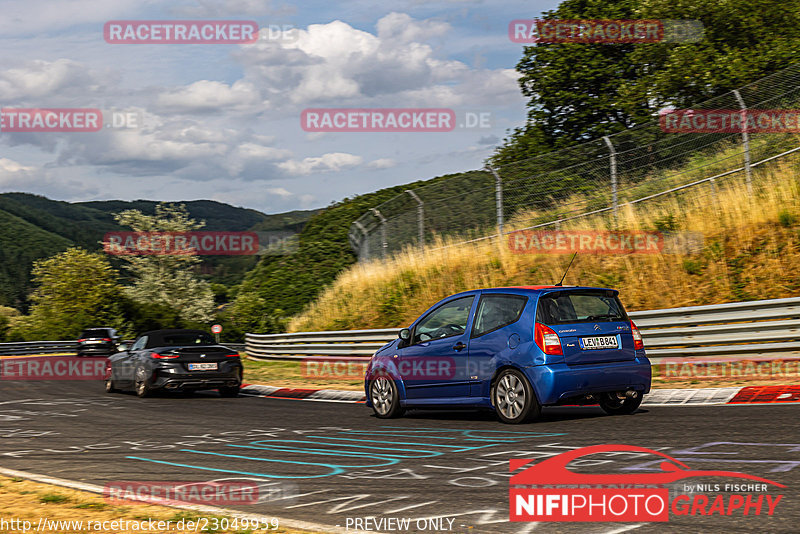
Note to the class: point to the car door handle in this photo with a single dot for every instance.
(458, 347)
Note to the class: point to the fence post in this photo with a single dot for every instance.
(420, 219)
(498, 197)
(365, 243)
(384, 244)
(746, 141)
(613, 153)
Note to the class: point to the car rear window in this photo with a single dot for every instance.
(95, 332)
(565, 307)
(176, 340)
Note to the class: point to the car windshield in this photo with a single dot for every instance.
(96, 332)
(565, 307)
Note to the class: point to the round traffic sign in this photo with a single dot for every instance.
(217, 328)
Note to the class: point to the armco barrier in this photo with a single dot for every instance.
(37, 347)
(758, 329)
(57, 347)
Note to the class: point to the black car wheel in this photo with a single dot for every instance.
(229, 392)
(616, 404)
(384, 397)
(513, 398)
(110, 388)
(140, 383)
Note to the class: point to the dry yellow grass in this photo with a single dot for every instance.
(751, 251)
(24, 500)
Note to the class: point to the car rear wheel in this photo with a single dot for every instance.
(513, 398)
(140, 383)
(384, 397)
(618, 404)
(229, 392)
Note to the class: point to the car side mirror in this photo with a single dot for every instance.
(405, 335)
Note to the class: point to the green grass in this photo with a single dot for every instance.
(290, 374)
(53, 498)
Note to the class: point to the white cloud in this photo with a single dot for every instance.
(40, 79)
(334, 161)
(206, 95)
(382, 163)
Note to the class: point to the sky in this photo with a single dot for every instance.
(223, 121)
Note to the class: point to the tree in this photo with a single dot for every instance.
(75, 290)
(578, 92)
(167, 279)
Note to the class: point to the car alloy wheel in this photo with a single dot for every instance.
(110, 386)
(513, 399)
(383, 394)
(140, 382)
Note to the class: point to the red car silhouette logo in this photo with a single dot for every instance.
(554, 470)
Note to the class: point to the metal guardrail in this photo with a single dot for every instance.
(55, 347)
(37, 347)
(758, 329)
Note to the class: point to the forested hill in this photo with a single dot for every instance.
(34, 227)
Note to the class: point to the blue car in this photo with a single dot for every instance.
(514, 350)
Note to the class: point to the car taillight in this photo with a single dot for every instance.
(106, 339)
(232, 355)
(81, 340)
(163, 356)
(638, 342)
(547, 339)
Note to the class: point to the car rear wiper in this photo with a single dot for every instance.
(605, 316)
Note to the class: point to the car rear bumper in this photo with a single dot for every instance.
(556, 382)
(97, 349)
(195, 382)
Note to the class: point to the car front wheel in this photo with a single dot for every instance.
(513, 398)
(140, 383)
(384, 397)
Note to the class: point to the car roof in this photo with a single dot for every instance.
(168, 331)
(528, 290)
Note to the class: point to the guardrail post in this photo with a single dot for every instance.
(613, 169)
(420, 219)
(498, 197)
(746, 142)
(384, 244)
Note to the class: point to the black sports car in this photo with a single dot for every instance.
(175, 360)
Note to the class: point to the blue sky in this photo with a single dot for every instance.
(222, 121)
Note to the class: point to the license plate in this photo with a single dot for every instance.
(599, 342)
(202, 366)
(93, 342)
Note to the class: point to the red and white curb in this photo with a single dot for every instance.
(657, 397)
(331, 395)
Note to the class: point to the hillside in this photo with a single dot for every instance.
(750, 250)
(34, 227)
(282, 286)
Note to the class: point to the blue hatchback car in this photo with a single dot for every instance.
(514, 350)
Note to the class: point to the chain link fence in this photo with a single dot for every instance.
(596, 177)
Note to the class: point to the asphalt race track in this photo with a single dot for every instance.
(325, 462)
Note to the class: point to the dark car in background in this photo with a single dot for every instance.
(174, 360)
(101, 341)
